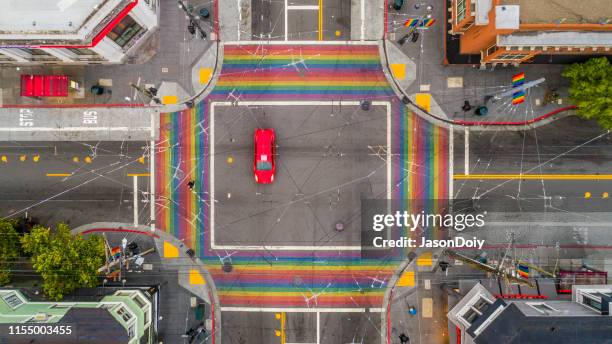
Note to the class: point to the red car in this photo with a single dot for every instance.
(263, 164)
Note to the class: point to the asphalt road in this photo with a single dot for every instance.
(324, 168)
(302, 21)
(60, 188)
(301, 327)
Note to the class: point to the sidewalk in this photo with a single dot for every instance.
(192, 276)
(445, 88)
(418, 286)
(169, 56)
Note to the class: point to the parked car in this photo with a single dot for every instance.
(264, 166)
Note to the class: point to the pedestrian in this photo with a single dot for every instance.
(191, 184)
(404, 338)
(195, 334)
(466, 106)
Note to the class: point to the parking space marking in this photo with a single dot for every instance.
(285, 103)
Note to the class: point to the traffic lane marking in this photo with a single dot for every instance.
(138, 174)
(534, 176)
(59, 174)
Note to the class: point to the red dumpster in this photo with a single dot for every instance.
(44, 85)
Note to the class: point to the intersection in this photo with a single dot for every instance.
(360, 117)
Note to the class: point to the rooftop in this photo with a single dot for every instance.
(565, 11)
(48, 15)
(557, 38)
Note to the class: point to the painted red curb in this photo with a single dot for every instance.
(531, 121)
(117, 230)
(47, 106)
(216, 19)
(100, 36)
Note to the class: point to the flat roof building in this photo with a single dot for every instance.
(515, 31)
(74, 31)
(480, 317)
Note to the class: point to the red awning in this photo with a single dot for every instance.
(44, 85)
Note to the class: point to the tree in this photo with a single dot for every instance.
(9, 249)
(65, 262)
(591, 89)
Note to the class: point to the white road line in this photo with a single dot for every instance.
(318, 327)
(451, 164)
(467, 152)
(389, 169)
(362, 20)
(135, 206)
(283, 103)
(286, 21)
(71, 129)
(152, 183)
(300, 43)
(292, 310)
(303, 7)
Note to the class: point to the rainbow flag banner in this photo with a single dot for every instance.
(428, 22)
(287, 73)
(518, 97)
(411, 23)
(523, 270)
(518, 79)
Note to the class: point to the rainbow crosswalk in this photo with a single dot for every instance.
(293, 72)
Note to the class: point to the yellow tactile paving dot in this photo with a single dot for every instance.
(398, 70)
(423, 100)
(195, 277)
(406, 279)
(170, 251)
(205, 75)
(425, 259)
(169, 100)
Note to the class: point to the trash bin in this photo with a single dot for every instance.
(482, 111)
(397, 4)
(204, 13)
(97, 90)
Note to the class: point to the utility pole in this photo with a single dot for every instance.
(192, 19)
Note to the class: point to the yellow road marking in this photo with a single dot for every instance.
(230, 159)
(425, 259)
(87, 160)
(139, 174)
(320, 20)
(75, 159)
(141, 160)
(536, 176)
(59, 174)
(587, 195)
(36, 158)
(4, 158)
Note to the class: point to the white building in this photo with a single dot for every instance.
(74, 31)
